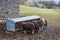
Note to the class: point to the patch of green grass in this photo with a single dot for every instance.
(46, 13)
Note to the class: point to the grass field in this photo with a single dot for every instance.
(46, 13)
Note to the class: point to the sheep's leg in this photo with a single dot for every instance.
(33, 31)
(24, 31)
(39, 30)
(42, 27)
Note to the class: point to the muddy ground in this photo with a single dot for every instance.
(51, 32)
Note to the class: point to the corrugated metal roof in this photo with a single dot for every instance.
(25, 18)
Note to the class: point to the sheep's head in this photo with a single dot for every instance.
(44, 22)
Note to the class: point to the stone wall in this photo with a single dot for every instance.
(9, 8)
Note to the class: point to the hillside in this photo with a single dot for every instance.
(46, 13)
(50, 32)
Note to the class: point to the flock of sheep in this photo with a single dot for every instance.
(34, 25)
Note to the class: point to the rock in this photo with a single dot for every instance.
(10, 6)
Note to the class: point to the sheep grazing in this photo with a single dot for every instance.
(28, 26)
(34, 25)
(44, 21)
